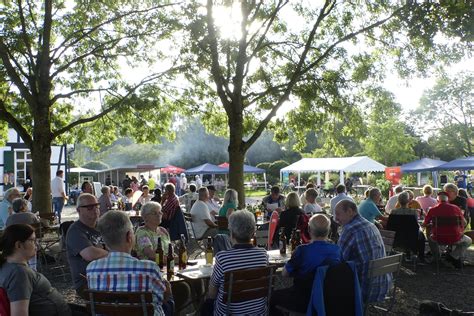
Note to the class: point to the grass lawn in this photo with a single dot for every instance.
(255, 193)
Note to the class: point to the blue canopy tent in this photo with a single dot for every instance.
(206, 168)
(248, 169)
(458, 164)
(424, 164)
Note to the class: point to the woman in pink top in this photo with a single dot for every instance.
(427, 201)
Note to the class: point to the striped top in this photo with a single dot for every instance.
(241, 256)
(120, 272)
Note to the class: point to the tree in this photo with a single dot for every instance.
(253, 70)
(59, 56)
(447, 111)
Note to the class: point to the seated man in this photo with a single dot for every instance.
(274, 201)
(447, 234)
(6, 207)
(341, 195)
(392, 201)
(213, 202)
(202, 220)
(311, 207)
(302, 267)
(405, 210)
(368, 208)
(243, 255)
(361, 242)
(84, 242)
(189, 198)
(129, 274)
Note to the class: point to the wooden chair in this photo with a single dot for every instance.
(247, 284)
(383, 266)
(222, 222)
(443, 221)
(388, 237)
(119, 303)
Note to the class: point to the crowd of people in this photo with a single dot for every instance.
(103, 244)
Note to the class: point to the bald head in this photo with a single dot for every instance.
(319, 226)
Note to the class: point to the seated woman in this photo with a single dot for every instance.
(148, 234)
(20, 213)
(243, 255)
(427, 201)
(28, 291)
(289, 217)
(230, 203)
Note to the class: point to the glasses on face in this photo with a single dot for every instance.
(90, 207)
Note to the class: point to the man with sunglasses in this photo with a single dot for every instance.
(83, 241)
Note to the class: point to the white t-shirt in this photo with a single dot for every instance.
(57, 187)
(391, 203)
(199, 213)
(310, 208)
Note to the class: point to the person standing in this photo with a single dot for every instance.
(183, 184)
(59, 196)
(151, 183)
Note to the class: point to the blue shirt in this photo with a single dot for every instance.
(307, 258)
(4, 206)
(337, 199)
(361, 242)
(369, 210)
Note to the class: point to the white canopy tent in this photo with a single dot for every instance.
(341, 165)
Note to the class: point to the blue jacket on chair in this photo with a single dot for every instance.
(331, 280)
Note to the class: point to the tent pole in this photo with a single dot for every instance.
(299, 179)
(265, 180)
(319, 179)
(418, 178)
(341, 176)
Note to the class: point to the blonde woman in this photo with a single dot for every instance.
(289, 216)
(230, 203)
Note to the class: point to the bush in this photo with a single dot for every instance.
(384, 186)
(96, 165)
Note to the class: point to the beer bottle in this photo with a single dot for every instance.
(170, 262)
(159, 254)
(254, 240)
(298, 238)
(282, 242)
(209, 251)
(293, 242)
(182, 254)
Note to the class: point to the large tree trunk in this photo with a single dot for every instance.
(236, 159)
(41, 177)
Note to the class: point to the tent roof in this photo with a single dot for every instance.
(81, 170)
(247, 168)
(171, 169)
(424, 164)
(206, 168)
(346, 164)
(458, 164)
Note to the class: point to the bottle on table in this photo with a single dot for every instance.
(182, 254)
(254, 241)
(209, 251)
(170, 262)
(160, 254)
(297, 239)
(282, 242)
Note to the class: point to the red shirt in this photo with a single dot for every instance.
(451, 234)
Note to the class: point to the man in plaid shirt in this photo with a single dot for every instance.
(361, 242)
(120, 272)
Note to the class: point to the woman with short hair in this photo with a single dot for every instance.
(148, 234)
(243, 255)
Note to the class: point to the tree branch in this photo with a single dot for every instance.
(70, 94)
(24, 33)
(221, 84)
(17, 126)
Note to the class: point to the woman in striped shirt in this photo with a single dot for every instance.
(243, 255)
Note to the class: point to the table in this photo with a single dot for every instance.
(203, 271)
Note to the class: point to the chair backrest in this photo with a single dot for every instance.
(439, 221)
(4, 303)
(262, 237)
(247, 284)
(448, 229)
(339, 287)
(119, 303)
(385, 265)
(189, 223)
(222, 222)
(406, 228)
(388, 237)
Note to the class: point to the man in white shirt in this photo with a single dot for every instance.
(392, 201)
(202, 221)
(340, 195)
(57, 192)
(212, 202)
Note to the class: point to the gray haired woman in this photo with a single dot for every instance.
(20, 213)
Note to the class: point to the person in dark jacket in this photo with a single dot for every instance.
(289, 217)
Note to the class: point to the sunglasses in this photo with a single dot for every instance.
(90, 207)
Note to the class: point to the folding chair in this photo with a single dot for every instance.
(383, 266)
(194, 244)
(248, 284)
(388, 237)
(119, 303)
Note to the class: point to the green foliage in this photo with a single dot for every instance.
(3, 133)
(384, 187)
(96, 165)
